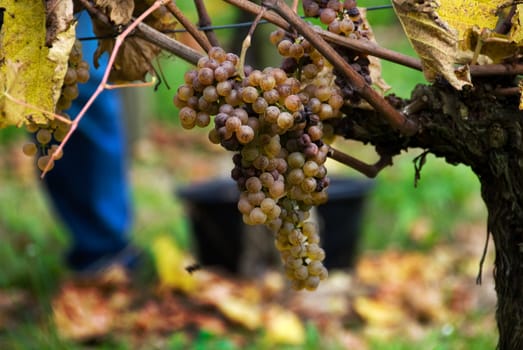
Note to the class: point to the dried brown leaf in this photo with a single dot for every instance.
(118, 11)
(59, 16)
(133, 61)
(82, 313)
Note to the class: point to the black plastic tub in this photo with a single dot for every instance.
(220, 233)
(340, 220)
(217, 224)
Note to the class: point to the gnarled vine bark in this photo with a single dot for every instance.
(483, 131)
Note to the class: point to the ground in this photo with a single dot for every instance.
(413, 285)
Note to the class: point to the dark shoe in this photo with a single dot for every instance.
(116, 267)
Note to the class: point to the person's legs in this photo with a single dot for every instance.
(89, 185)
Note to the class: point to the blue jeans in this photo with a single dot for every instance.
(89, 186)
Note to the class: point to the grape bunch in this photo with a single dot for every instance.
(44, 144)
(46, 136)
(77, 72)
(272, 121)
(343, 19)
(276, 121)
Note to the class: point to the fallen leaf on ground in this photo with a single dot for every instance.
(241, 312)
(378, 313)
(283, 327)
(170, 262)
(83, 313)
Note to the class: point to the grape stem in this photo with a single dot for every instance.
(200, 38)
(132, 85)
(369, 170)
(205, 21)
(397, 120)
(168, 44)
(295, 6)
(102, 85)
(247, 43)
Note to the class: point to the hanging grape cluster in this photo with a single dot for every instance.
(46, 136)
(274, 122)
(77, 72)
(343, 19)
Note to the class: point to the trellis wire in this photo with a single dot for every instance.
(225, 26)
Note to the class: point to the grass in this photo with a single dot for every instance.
(445, 195)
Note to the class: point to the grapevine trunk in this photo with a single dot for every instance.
(502, 193)
(483, 131)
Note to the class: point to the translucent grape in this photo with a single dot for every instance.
(327, 15)
(43, 161)
(29, 149)
(249, 94)
(245, 134)
(253, 184)
(296, 160)
(70, 76)
(233, 123)
(276, 36)
(44, 136)
(292, 103)
(187, 117)
(312, 282)
(206, 76)
(210, 94)
(82, 75)
(301, 272)
(285, 120)
(284, 47)
(70, 92)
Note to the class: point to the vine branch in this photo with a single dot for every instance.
(369, 170)
(167, 43)
(187, 24)
(205, 21)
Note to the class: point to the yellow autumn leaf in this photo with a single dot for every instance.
(283, 327)
(31, 69)
(476, 22)
(170, 262)
(464, 14)
(240, 311)
(378, 313)
(447, 32)
(435, 42)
